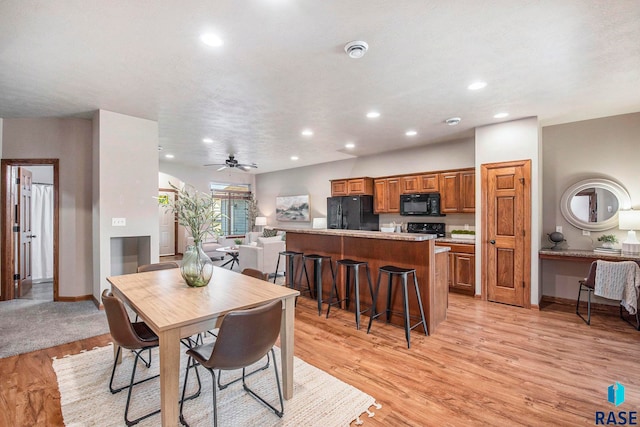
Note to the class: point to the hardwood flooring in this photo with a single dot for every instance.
(488, 364)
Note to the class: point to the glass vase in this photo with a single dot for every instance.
(197, 267)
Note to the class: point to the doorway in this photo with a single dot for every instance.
(18, 236)
(506, 231)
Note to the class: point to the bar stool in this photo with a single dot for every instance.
(355, 266)
(317, 275)
(402, 273)
(290, 257)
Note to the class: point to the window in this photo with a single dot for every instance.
(234, 202)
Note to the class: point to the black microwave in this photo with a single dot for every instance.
(424, 204)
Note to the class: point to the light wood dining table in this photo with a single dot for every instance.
(173, 310)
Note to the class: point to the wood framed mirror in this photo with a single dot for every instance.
(593, 204)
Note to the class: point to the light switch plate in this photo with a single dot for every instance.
(118, 222)
(559, 228)
(586, 233)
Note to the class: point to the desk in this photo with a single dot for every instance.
(583, 255)
(173, 311)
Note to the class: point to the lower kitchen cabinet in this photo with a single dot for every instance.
(462, 267)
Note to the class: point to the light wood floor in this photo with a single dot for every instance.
(488, 364)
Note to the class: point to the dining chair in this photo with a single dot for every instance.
(588, 284)
(244, 337)
(158, 266)
(134, 336)
(255, 273)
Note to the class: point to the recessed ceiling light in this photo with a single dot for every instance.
(207, 140)
(453, 121)
(477, 85)
(349, 145)
(373, 114)
(211, 40)
(411, 133)
(169, 156)
(294, 157)
(307, 132)
(500, 115)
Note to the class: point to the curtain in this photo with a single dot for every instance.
(42, 228)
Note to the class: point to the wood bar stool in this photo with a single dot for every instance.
(402, 274)
(317, 275)
(355, 278)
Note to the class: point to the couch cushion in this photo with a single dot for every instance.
(263, 240)
(269, 232)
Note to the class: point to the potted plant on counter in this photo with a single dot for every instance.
(200, 214)
(608, 240)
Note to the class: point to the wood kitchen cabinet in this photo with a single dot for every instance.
(457, 191)
(462, 267)
(352, 187)
(386, 198)
(427, 183)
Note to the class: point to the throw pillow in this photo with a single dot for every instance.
(269, 232)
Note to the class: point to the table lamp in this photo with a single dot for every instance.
(630, 220)
(261, 221)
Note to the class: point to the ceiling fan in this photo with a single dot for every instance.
(231, 162)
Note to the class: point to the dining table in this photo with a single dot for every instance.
(173, 310)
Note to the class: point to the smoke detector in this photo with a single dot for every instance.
(356, 49)
(453, 121)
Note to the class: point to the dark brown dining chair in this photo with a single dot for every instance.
(136, 337)
(588, 285)
(157, 266)
(244, 338)
(255, 273)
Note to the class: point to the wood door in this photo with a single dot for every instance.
(449, 192)
(380, 196)
(506, 223)
(410, 184)
(429, 183)
(393, 195)
(467, 202)
(24, 232)
(167, 225)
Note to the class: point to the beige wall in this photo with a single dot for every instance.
(68, 140)
(601, 148)
(125, 185)
(515, 140)
(314, 180)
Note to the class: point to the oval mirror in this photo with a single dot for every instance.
(593, 204)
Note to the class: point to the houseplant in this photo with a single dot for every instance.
(200, 214)
(608, 240)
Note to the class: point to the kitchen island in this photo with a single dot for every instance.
(378, 249)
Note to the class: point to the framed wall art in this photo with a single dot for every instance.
(292, 208)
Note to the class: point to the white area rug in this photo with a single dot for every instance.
(319, 398)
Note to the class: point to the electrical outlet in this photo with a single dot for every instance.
(586, 233)
(559, 228)
(118, 222)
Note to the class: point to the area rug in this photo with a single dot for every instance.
(319, 398)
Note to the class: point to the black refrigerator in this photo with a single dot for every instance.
(352, 213)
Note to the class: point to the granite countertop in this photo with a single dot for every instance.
(440, 249)
(409, 237)
(457, 241)
(582, 253)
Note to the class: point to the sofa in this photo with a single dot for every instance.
(262, 255)
(210, 245)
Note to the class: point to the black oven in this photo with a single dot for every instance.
(424, 204)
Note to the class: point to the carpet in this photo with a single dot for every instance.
(27, 325)
(319, 398)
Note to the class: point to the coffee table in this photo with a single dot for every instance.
(233, 253)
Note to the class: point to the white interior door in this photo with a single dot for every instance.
(167, 227)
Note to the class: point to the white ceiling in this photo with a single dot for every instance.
(282, 69)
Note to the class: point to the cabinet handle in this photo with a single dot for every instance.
(493, 242)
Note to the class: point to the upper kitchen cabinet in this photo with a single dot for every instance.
(387, 195)
(352, 187)
(457, 191)
(426, 183)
